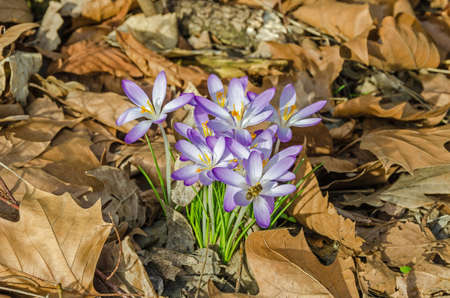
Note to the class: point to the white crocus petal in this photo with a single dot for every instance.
(159, 91)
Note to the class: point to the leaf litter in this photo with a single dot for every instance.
(378, 204)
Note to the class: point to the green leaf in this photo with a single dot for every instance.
(405, 269)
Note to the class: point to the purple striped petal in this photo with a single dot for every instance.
(218, 126)
(288, 97)
(214, 85)
(161, 119)
(214, 109)
(278, 169)
(257, 119)
(254, 169)
(138, 131)
(201, 117)
(134, 93)
(228, 201)
(236, 96)
(182, 128)
(185, 172)
(251, 95)
(261, 101)
(159, 91)
(230, 177)
(280, 190)
(284, 134)
(177, 103)
(237, 149)
(219, 149)
(244, 82)
(188, 150)
(128, 115)
(243, 136)
(262, 210)
(192, 180)
(204, 178)
(305, 122)
(240, 198)
(309, 110)
(286, 177)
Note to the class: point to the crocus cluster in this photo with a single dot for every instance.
(221, 148)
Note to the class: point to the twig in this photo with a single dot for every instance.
(8, 192)
(438, 70)
(120, 249)
(21, 292)
(110, 284)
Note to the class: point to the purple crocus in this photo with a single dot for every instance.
(291, 116)
(146, 108)
(258, 185)
(236, 112)
(205, 153)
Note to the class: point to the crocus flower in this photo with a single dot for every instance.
(205, 153)
(236, 112)
(151, 110)
(257, 186)
(290, 116)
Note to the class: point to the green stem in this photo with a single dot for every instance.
(237, 223)
(168, 157)
(212, 220)
(204, 223)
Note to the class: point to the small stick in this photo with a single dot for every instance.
(120, 249)
(203, 269)
(8, 192)
(241, 263)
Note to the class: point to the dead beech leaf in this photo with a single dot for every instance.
(313, 210)
(436, 89)
(16, 11)
(86, 57)
(369, 105)
(439, 30)
(332, 17)
(375, 276)
(294, 270)
(105, 107)
(48, 37)
(13, 33)
(55, 240)
(412, 191)
(150, 63)
(103, 9)
(411, 149)
(403, 44)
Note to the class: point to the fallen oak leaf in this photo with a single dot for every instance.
(411, 149)
(55, 241)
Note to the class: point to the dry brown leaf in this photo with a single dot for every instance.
(413, 191)
(294, 270)
(13, 33)
(375, 276)
(264, 4)
(48, 37)
(369, 105)
(16, 11)
(318, 139)
(103, 9)
(55, 240)
(411, 149)
(69, 150)
(403, 44)
(439, 30)
(436, 89)
(313, 210)
(333, 17)
(150, 63)
(86, 57)
(105, 107)
(333, 164)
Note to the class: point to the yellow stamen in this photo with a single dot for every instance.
(221, 98)
(264, 162)
(206, 160)
(198, 170)
(253, 135)
(288, 112)
(206, 130)
(145, 110)
(238, 114)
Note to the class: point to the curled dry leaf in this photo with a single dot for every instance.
(48, 37)
(411, 149)
(150, 63)
(55, 241)
(413, 191)
(294, 270)
(332, 18)
(313, 210)
(86, 57)
(16, 11)
(403, 44)
(375, 276)
(105, 107)
(436, 89)
(369, 105)
(13, 33)
(439, 30)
